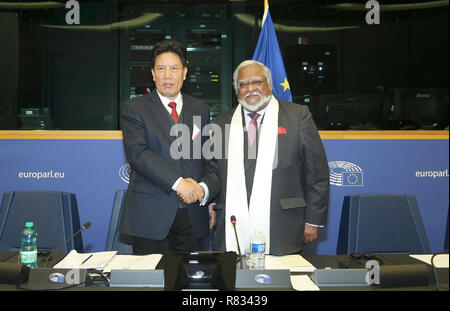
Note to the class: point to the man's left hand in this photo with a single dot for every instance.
(310, 233)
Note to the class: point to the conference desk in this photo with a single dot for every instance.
(350, 262)
(331, 262)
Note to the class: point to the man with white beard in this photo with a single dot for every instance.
(275, 177)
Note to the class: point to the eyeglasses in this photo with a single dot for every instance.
(245, 84)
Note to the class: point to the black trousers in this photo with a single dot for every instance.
(181, 238)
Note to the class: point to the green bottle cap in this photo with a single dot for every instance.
(29, 224)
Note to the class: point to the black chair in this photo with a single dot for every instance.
(381, 223)
(116, 241)
(55, 216)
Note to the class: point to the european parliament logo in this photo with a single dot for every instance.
(344, 173)
(124, 173)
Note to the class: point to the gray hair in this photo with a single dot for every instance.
(246, 63)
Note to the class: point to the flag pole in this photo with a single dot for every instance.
(268, 52)
(266, 9)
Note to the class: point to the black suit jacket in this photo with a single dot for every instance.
(151, 204)
(300, 182)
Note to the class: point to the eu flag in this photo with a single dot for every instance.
(352, 178)
(268, 52)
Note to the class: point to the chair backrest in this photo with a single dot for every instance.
(381, 223)
(116, 241)
(55, 216)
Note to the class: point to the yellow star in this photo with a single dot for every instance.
(285, 84)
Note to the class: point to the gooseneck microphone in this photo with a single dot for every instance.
(84, 227)
(233, 222)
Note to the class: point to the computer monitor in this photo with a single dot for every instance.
(424, 108)
(350, 111)
(200, 270)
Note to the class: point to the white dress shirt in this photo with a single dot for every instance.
(178, 100)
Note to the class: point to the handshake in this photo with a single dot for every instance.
(189, 191)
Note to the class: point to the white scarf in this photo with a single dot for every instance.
(258, 215)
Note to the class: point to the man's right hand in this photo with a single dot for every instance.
(189, 191)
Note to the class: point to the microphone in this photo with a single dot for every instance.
(233, 222)
(84, 227)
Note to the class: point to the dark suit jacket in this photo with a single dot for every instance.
(151, 204)
(300, 182)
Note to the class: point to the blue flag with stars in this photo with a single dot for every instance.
(268, 52)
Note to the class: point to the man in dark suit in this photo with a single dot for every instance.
(153, 215)
(276, 181)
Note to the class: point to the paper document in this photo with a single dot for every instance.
(75, 260)
(295, 263)
(440, 261)
(303, 283)
(133, 262)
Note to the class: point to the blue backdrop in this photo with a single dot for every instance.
(94, 170)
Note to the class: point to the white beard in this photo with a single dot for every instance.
(264, 100)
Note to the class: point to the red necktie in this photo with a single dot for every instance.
(252, 129)
(174, 113)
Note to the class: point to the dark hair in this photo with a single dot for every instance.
(169, 46)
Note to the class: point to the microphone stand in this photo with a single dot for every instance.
(63, 243)
(237, 242)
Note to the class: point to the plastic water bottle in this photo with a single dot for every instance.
(28, 249)
(257, 251)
